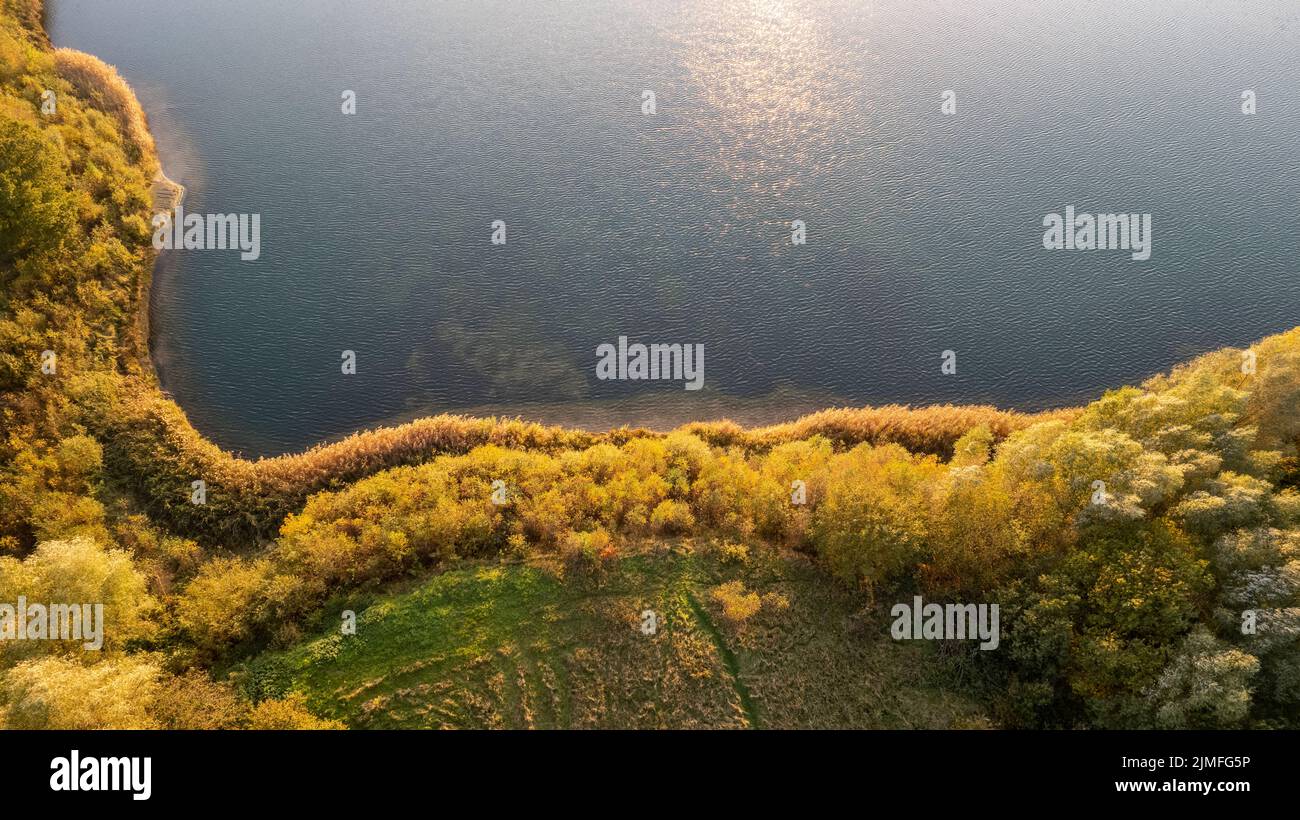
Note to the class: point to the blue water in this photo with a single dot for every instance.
(924, 230)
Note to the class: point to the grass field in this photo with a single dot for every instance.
(519, 646)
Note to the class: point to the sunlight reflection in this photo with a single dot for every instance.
(775, 89)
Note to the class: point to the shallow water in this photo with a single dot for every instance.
(924, 230)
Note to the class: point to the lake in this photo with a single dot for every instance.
(672, 219)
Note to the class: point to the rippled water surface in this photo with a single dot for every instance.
(924, 230)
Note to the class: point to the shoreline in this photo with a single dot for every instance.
(167, 194)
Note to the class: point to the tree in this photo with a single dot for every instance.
(1206, 686)
(80, 571)
(60, 693)
(223, 602)
(871, 526)
(36, 207)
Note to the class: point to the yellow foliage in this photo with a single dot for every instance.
(100, 83)
(738, 604)
(289, 713)
(58, 693)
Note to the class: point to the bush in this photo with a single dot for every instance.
(1206, 686)
(738, 604)
(975, 537)
(672, 518)
(871, 526)
(288, 713)
(1105, 622)
(36, 208)
(79, 571)
(59, 693)
(223, 603)
(729, 552)
(775, 602)
(585, 554)
(195, 701)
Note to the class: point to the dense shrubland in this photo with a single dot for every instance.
(1145, 549)
(151, 446)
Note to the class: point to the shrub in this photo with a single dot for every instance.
(1206, 686)
(288, 713)
(729, 552)
(60, 693)
(775, 602)
(975, 537)
(738, 604)
(726, 493)
(871, 526)
(36, 210)
(1105, 621)
(672, 518)
(79, 571)
(195, 701)
(585, 554)
(224, 601)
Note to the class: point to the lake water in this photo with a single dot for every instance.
(924, 229)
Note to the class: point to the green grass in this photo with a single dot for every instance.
(517, 646)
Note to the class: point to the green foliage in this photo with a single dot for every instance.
(1095, 533)
(517, 646)
(1206, 686)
